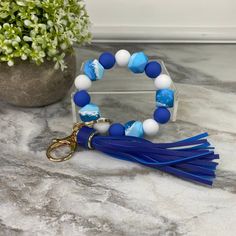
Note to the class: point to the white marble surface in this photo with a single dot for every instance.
(93, 194)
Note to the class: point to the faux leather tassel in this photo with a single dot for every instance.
(191, 159)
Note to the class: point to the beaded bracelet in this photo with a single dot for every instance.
(137, 63)
(191, 159)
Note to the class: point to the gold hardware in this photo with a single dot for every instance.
(90, 140)
(100, 120)
(71, 142)
(103, 120)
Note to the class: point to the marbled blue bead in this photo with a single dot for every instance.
(93, 69)
(165, 98)
(138, 62)
(134, 128)
(89, 112)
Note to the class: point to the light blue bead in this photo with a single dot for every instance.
(89, 112)
(137, 62)
(93, 69)
(165, 98)
(134, 128)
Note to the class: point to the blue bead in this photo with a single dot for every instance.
(89, 112)
(134, 128)
(93, 69)
(153, 69)
(138, 62)
(107, 60)
(165, 98)
(81, 98)
(161, 115)
(116, 129)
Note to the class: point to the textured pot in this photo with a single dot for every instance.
(29, 85)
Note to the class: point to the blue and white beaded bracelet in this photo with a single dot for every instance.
(192, 159)
(137, 63)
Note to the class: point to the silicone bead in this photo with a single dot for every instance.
(163, 81)
(153, 69)
(81, 98)
(134, 128)
(82, 82)
(116, 129)
(89, 112)
(93, 69)
(165, 98)
(138, 62)
(161, 115)
(102, 128)
(107, 60)
(150, 127)
(122, 57)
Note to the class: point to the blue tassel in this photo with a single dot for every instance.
(191, 159)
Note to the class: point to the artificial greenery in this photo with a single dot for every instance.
(41, 30)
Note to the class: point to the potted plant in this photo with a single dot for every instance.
(37, 64)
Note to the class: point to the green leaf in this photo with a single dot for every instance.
(3, 15)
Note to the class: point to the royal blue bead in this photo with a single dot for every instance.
(81, 98)
(116, 129)
(153, 69)
(90, 112)
(138, 62)
(161, 115)
(165, 98)
(134, 128)
(107, 60)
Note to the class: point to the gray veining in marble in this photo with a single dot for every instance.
(93, 194)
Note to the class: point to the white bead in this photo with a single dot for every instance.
(122, 57)
(163, 81)
(82, 82)
(102, 128)
(150, 127)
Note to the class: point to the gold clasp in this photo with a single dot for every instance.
(69, 141)
(58, 143)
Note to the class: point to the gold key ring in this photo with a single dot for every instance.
(70, 141)
(58, 143)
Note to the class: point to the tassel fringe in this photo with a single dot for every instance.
(191, 159)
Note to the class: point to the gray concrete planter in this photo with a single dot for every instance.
(28, 85)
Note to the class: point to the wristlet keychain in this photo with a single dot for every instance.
(191, 159)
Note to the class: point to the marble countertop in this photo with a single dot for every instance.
(93, 194)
